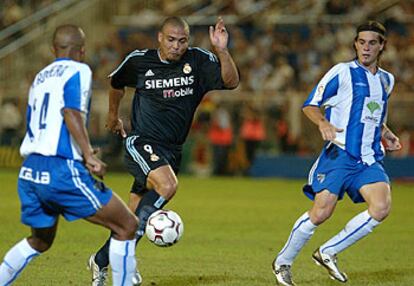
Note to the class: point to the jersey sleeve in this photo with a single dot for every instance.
(387, 81)
(210, 70)
(126, 74)
(326, 88)
(77, 88)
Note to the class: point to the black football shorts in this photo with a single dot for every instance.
(143, 156)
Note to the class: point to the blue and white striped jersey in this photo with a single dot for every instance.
(355, 100)
(62, 84)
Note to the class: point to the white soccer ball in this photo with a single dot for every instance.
(164, 228)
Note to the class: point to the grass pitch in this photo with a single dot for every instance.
(234, 227)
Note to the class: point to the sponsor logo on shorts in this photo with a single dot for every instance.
(154, 158)
(34, 176)
(320, 177)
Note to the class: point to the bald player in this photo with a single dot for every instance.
(169, 84)
(56, 175)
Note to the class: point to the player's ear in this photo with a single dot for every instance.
(53, 50)
(159, 37)
(82, 52)
(383, 45)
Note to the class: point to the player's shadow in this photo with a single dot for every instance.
(396, 275)
(391, 276)
(176, 280)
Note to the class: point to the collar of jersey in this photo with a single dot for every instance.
(367, 70)
(63, 59)
(159, 56)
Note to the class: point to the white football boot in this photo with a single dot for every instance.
(137, 279)
(329, 262)
(283, 274)
(99, 276)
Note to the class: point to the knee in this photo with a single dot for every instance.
(380, 211)
(129, 227)
(40, 244)
(320, 215)
(168, 189)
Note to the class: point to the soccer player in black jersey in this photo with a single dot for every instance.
(170, 83)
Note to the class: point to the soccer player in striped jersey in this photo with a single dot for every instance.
(56, 175)
(354, 96)
(169, 83)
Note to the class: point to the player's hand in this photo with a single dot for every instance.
(219, 36)
(392, 142)
(328, 131)
(115, 125)
(95, 165)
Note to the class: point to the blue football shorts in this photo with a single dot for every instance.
(53, 186)
(339, 173)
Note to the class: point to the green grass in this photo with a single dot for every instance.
(233, 229)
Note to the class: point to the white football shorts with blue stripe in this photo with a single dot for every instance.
(50, 186)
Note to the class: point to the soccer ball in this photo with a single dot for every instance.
(164, 228)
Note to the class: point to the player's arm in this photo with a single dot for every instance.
(74, 122)
(327, 130)
(326, 89)
(113, 122)
(125, 75)
(219, 39)
(391, 140)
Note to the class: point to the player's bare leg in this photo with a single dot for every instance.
(133, 202)
(378, 198)
(160, 182)
(117, 217)
(19, 256)
(161, 186)
(303, 229)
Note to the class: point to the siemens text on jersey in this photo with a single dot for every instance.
(54, 71)
(167, 83)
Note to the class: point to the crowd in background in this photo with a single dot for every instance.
(281, 57)
(12, 11)
(276, 61)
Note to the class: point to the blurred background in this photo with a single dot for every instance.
(282, 48)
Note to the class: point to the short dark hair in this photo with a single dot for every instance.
(175, 21)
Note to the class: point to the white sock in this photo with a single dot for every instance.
(122, 260)
(15, 260)
(357, 228)
(302, 231)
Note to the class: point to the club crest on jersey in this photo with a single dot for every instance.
(319, 92)
(154, 158)
(187, 68)
(385, 84)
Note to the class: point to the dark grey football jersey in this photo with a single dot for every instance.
(167, 93)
